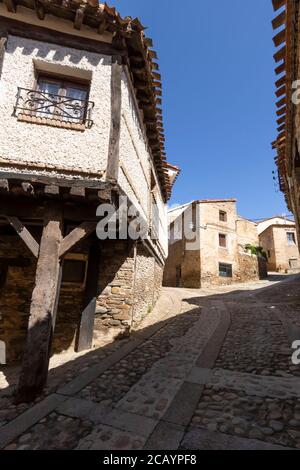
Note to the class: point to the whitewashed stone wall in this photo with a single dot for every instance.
(32, 143)
(135, 162)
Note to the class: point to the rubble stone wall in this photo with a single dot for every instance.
(128, 289)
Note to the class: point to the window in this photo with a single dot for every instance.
(225, 270)
(269, 254)
(64, 99)
(293, 262)
(74, 269)
(222, 240)
(222, 216)
(58, 99)
(291, 238)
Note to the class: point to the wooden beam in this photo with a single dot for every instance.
(112, 170)
(33, 208)
(40, 10)
(78, 234)
(78, 18)
(35, 364)
(11, 5)
(26, 236)
(4, 186)
(65, 182)
(18, 28)
(84, 337)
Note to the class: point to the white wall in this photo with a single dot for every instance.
(33, 143)
(262, 226)
(135, 163)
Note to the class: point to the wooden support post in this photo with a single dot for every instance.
(112, 170)
(86, 327)
(34, 370)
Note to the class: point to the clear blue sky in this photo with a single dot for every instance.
(216, 60)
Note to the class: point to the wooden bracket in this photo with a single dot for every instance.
(26, 236)
(78, 234)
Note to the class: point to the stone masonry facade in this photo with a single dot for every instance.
(129, 284)
(221, 243)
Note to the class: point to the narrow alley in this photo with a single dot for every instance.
(208, 369)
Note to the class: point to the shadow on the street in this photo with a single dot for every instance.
(57, 376)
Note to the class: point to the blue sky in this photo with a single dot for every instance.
(216, 60)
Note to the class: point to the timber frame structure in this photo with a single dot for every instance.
(129, 45)
(287, 144)
(54, 203)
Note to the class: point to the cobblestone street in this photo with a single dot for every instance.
(208, 369)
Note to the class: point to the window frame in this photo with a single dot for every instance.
(75, 257)
(64, 82)
(229, 270)
(222, 214)
(293, 241)
(225, 247)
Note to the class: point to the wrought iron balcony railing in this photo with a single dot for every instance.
(48, 105)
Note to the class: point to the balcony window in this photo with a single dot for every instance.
(58, 100)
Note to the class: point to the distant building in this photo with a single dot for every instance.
(278, 237)
(210, 244)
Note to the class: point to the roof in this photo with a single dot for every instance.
(129, 37)
(214, 201)
(200, 201)
(275, 217)
(173, 173)
(286, 227)
(285, 40)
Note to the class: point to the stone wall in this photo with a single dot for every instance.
(249, 269)
(200, 267)
(275, 243)
(129, 285)
(15, 296)
(115, 299)
(147, 284)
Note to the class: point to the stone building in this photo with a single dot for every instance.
(287, 143)
(278, 238)
(209, 244)
(81, 125)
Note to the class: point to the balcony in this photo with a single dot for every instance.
(47, 108)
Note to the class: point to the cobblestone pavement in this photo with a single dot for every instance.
(209, 369)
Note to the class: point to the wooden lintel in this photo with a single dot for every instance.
(74, 237)
(34, 208)
(26, 236)
(112, 170)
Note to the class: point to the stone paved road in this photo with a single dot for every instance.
(210, 370)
